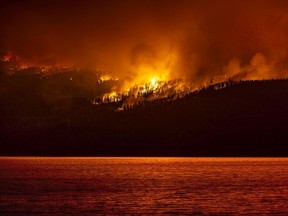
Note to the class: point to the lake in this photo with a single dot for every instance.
(116, 186)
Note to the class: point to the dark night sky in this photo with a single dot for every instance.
(195, 38)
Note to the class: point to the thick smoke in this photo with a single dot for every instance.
(199, 40)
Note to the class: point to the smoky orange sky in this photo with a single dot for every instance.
(194, 39)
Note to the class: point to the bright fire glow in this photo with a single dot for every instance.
(148, 82)
(154, 82)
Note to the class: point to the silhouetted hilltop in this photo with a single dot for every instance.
(248, 118)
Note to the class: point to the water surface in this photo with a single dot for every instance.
(114, 186)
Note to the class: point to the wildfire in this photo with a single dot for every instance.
(111, 97)
(154, 83)
(15, 63)
(138, 93)
(148, 83)
(8, 57)
(106, 78)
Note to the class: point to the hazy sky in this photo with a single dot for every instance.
(199, 39)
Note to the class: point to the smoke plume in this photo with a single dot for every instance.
(199, 40)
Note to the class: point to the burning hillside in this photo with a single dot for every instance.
(111, 89)
(154, 90)
(57, 82)
(127, 52)
(148, 84)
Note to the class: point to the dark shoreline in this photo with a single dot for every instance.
(248, 119)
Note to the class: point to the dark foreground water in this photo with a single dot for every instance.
(114, 186)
